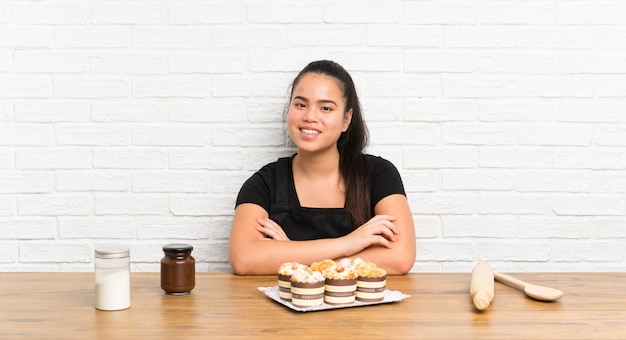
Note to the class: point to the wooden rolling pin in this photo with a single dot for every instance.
(481, 285)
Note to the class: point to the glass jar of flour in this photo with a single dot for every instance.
(112, 276)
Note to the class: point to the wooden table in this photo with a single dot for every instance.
(223, 306)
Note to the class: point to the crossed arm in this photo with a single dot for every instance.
(388, 239)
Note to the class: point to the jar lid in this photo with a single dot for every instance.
(112, 251)
(177, 247)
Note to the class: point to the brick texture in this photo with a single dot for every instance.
(136, 122)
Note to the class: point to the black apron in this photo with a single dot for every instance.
(304, 223)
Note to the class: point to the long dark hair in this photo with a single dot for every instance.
(352, 162)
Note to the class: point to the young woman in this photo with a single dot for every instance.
(329, 200)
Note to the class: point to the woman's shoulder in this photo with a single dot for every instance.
(376, 162)
(381, 168)
(268, 171)
(384, 178)
(260, 187)
(269, 167)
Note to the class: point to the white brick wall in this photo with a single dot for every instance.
(137, 121)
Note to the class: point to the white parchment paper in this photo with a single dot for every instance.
(390, 296)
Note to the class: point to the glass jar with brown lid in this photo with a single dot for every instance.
(178, 269)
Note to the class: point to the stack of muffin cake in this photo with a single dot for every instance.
(331, 282)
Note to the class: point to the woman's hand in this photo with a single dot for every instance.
(271, 229)
(379, 230)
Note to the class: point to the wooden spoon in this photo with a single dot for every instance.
(534, 291)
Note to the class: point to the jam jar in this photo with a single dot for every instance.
(178, 269)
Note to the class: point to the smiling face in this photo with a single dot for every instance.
(317, 113)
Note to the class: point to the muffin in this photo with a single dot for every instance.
(321, 266)
(350, 263)
(307, 287)
(371, 282)
(340, 285)
(284, 279)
